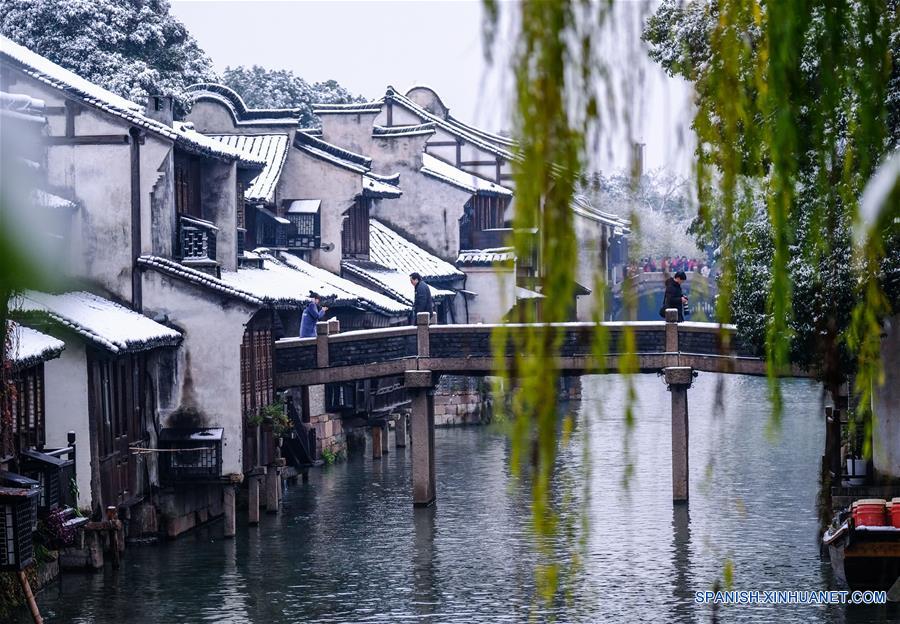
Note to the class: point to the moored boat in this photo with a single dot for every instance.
(864, 547)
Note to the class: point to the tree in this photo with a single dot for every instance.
(133, 48)
(811, 152)
(280, 88)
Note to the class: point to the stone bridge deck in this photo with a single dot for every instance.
(467, 349)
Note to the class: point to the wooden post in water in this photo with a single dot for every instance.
(228, 496)
(273, 482)
(400, 430)
(253, 495)
(29, 598)
(420, 385)
(385, 448)
(679, 379)
(376, 441)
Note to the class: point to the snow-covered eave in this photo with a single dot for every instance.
(375, 188)
(605, 218)
(30, 347)
(392, 132)
(198, 278)
(42, 314)
(498, 192)
(352, 108)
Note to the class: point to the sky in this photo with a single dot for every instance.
(367, 45)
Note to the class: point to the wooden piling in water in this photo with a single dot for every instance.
(376, 441)
(228, 503)
(420, 385)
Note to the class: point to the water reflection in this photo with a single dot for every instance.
(683, 598)
(348, 546)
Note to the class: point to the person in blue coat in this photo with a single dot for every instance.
(311, 315)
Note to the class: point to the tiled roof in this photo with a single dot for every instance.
(240, 112)
(103, 322)
(352, 108)
(583, 206)
(73, 85)
(282, 282)
(452, 126)
(390, 132)
(29, 347)
(204, 145)
(332, 153)
(374, 187)
(393, 251)
(270, 148)
(446, 172)
(44, 199)
(524, 293)
(485, 257)
(390, 281)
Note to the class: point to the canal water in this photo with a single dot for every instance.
(349, 547)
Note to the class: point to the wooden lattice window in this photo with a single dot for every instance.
(27, 407)
(257, 375)
(488, 212)
(355, 231)
(241, 220)
(187, 186)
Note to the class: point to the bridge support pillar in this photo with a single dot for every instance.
(273, 484)
(385, 430)
(420, 385)
(679, 379)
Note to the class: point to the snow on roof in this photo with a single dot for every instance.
(393, 251)
(274, 216)
(446, 172)
(485, 257)
(351, 108)
(211, 146)
(271, 149)
(283, 282)
(583, 206)
(29, 347)
(374, 187)
(72, 84)
(108, 324)
(44, 199)
(332, 153)
(304, 206)
(452, 126)
(240, 112)
(21, 107)
(524, 293)
(390, 132)
(344, 289)
(394, 283)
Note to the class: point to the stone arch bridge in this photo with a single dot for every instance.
(649, 287)
(421, 354)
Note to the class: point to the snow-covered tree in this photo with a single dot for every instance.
(820, 267)
(131, 47)
(660, 206)
(281, 88)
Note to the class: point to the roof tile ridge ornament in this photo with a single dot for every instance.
(333, 149)
(242, 112)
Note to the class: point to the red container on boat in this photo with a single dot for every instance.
(895, 513)
(870, 512)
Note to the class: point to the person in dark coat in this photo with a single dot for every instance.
(674, 297)
(311, 316)
(422, 301)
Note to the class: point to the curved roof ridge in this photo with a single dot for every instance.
(230, 97)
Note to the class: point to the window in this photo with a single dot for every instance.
(187, 186)
(257, 381)
(355, 231)
(240, 205)
(488, 212)
(305, 218)
(26, 405)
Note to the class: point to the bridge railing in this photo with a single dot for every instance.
(373, 353)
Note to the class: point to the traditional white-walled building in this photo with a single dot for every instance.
(415, 132)
(157, 216)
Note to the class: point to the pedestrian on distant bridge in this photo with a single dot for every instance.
(422, 302)
(674, 297)
(311, 315)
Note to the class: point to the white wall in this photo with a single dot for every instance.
(66, 405)
(209, 378)
(496, 288)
